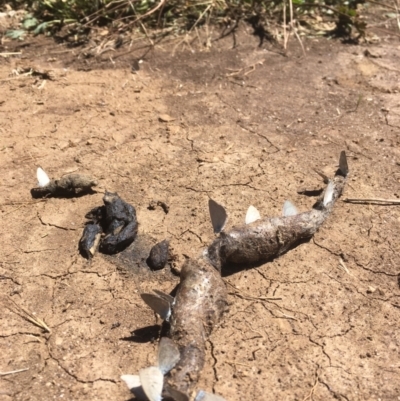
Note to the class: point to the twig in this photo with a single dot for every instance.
(12, 372)
(377, 201)
(153, 10)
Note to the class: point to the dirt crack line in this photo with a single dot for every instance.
(326, 249)
(334, 393)
(322, 349)
(214, 368)
(55, 225)
(75, 377)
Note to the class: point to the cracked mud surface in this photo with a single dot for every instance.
(318, 323)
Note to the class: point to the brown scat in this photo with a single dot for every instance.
(264, 239)
(76, 181)
(199, 305)
(70, 185)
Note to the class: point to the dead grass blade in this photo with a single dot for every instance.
(13, 372)
(22, 312)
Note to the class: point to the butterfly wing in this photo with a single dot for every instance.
(168, 355)
(165, 296)
(158, 304)
(343, 167)
(152, 381)
(132, 381)
(328, 196)
(252, 215)
(42, 177)
(289, 209)
(218, 215)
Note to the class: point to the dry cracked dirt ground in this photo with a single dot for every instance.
(243, 125)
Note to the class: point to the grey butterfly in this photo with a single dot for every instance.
(218, 215)
(160, 302)
(168, 355)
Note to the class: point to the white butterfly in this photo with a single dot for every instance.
(252, 215)
(42, 177)
(149, 383)
(160, 302)
(218, 215)
(329, 193)
(132, 381)
(152, 380)
(289, 209)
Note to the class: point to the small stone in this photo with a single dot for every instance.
(165, 118)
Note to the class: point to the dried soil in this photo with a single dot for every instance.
(243, 125)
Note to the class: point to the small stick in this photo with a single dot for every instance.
(12, 372)
(373, 200)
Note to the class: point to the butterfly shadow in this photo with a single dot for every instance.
(148, 334)
(144, 334)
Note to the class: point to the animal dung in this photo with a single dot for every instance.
(158, 257)
(201, 297)
(200, 302)
(90, 240)
(117, 222)
(69, 185)
(264, 239)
